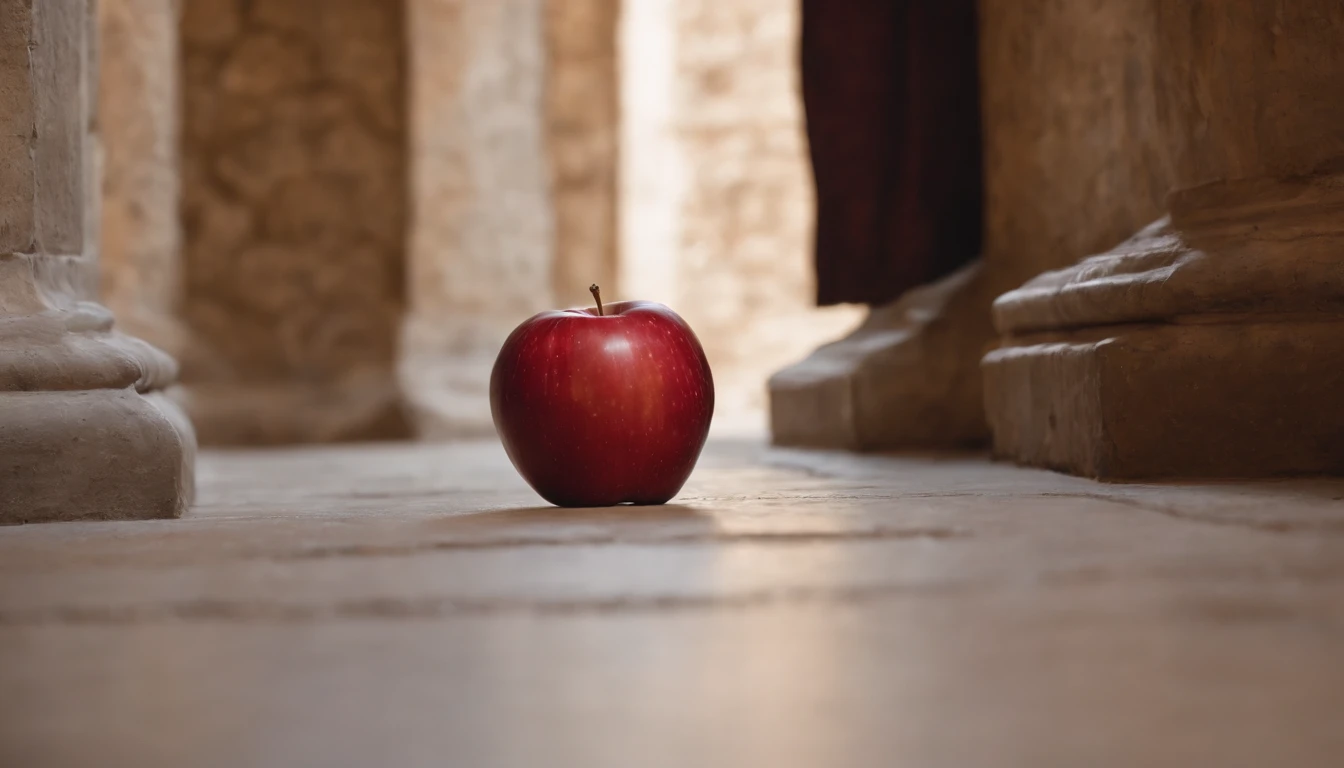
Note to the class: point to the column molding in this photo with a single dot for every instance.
(85, 431)
(1206, 345)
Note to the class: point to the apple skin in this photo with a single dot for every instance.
(602, 410)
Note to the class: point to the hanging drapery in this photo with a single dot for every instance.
(891, 94)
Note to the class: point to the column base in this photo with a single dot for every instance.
(1208, 345)
(907, 378)
(1161, 401)
(101, 454)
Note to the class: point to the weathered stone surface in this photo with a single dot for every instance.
(1259, 247)
(59, 132)
(1226, 400)
(17, 118)
(482, 225)
(84, 431)
(1246, 89)
(1204, 345)
(410, 604)
(294, 207)
(1073, 150)
(93, 454)
(1207, 345)
(716, 200)
(908, 377)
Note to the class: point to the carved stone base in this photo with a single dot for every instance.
(86, 429)
(1133, 402)
(1211, 345)
(907, 378)
(101, 454)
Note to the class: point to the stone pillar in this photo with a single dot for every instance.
(716, 203)
(294, 211)
(482, 222)
(1208, 344)
(85, 431)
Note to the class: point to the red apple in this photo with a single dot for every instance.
(603, 406)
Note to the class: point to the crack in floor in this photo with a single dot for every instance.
(1260, 526)
(759, 537)
(460, 606)
(388, 608)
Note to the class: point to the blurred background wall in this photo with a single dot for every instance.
(293, 160)
(334, 211)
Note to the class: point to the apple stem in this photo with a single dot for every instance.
(597, 296)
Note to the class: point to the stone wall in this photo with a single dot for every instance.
(294, 212)
(717, 200)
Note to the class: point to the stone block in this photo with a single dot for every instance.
(906, 378)
(1157, 401)
(1208, 345)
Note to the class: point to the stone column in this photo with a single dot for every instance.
(84, 429)
(1209, 343)
(482, 221)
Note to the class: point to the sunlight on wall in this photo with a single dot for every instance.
(716, 208)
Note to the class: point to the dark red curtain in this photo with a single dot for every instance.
(891, 94)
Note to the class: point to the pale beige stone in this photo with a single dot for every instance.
(482, 221)
(84, 430)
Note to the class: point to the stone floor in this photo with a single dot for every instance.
(405, 605)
